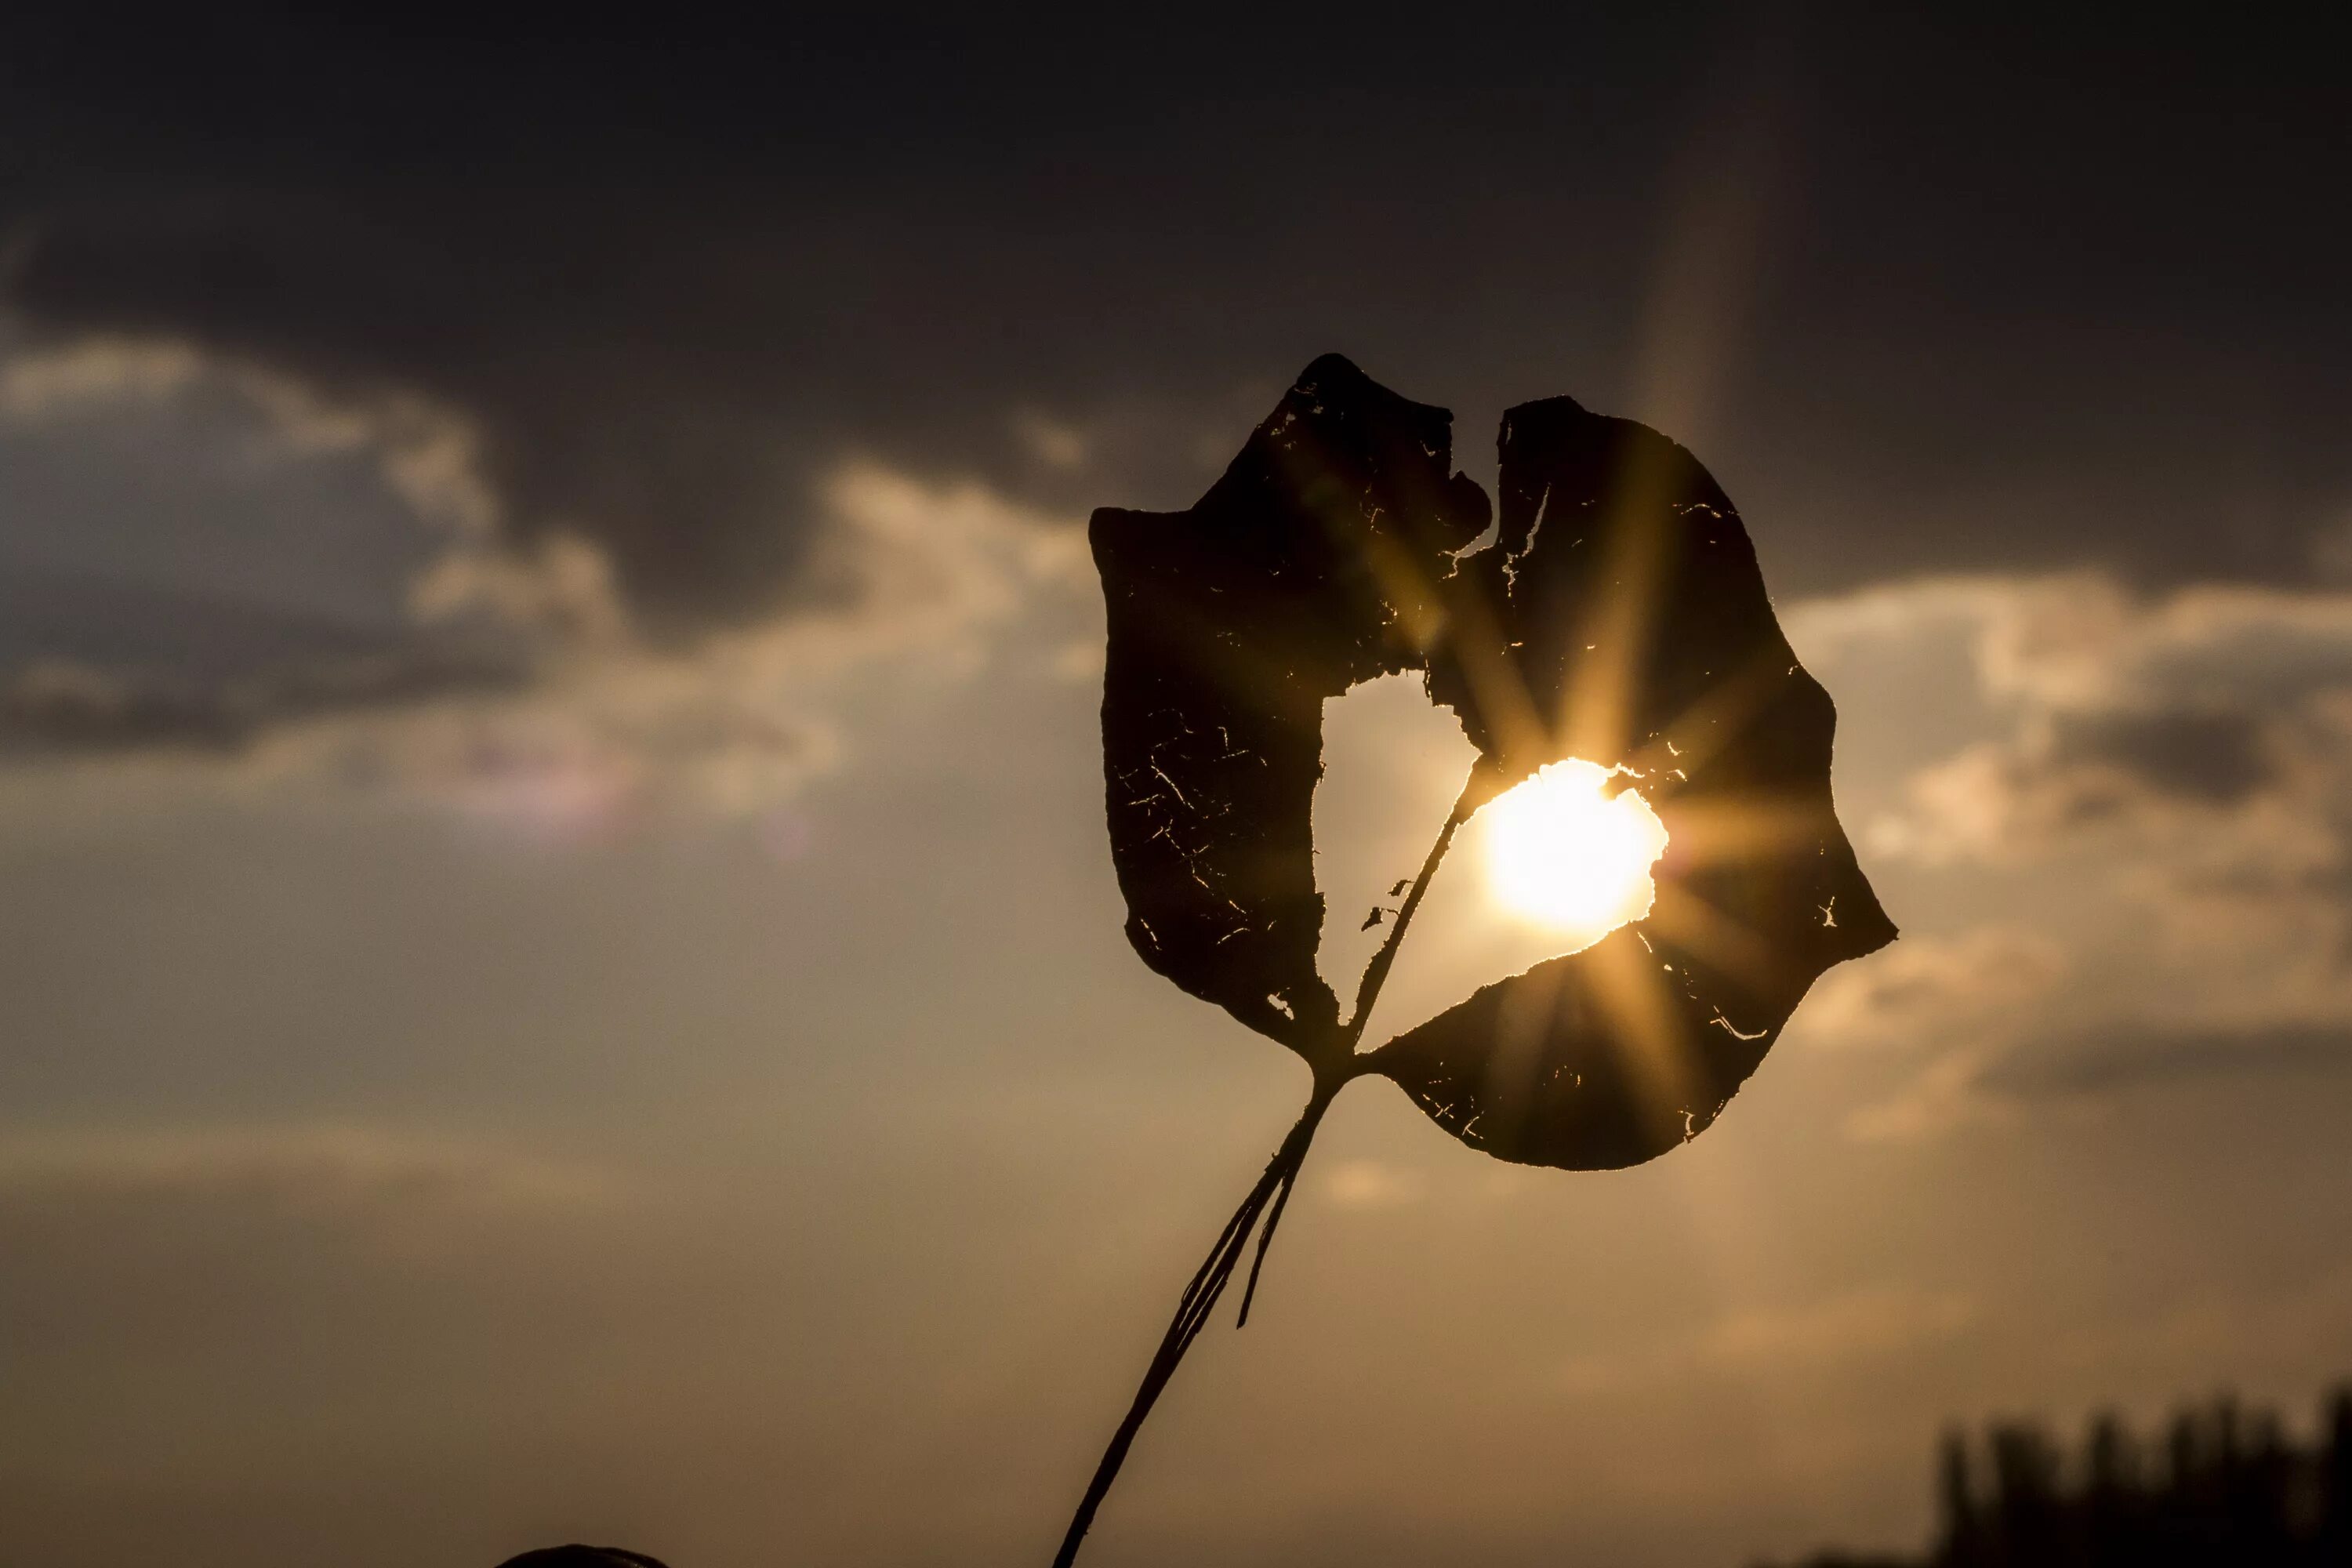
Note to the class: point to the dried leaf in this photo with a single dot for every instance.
(1310, 565)
(1620, 617)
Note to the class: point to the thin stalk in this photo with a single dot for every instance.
(1265, 1241)
(1192, 1313)
(1376, 972)
(1269, 1197)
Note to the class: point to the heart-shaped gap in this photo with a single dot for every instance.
(1393, 762)
(1547, 867)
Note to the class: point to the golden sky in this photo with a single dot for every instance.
(560, 973)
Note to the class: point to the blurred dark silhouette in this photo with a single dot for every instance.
(577, 1556)
(2225, 1484)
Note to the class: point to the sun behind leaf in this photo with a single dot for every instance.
(1564, 851)
(1651, 757)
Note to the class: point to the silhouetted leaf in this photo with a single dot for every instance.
(1620, 618)
(1309, 566)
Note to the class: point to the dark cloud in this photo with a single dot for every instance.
(55, 706)
(90, 664)
(2205, 727)
(2211, 756)
(206, 638)
(2128, 1055)
(2059, 297)
(569, 375)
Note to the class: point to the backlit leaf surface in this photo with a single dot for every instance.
(1617, 616)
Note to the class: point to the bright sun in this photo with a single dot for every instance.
(1561, 853)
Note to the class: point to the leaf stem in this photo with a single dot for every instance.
(1376, 972)
(1193, 1312)
(1333, 1069)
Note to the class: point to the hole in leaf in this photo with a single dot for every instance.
(1547, 867)
(1393, 762)
(1564, 850)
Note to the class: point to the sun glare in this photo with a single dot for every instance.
(1563, 853)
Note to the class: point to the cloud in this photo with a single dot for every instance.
(661, 281)
(1877, 1323)
(341, 1176)
(2190, 751)
(1945, 1006)
(55, 705)
(1050, 441)
(2126, 1054)
(96, 370)
(2157, 798)
(2294, 1326)
(1370, 1185)
(175, 629)
(426, 453)
(2215, 756)
(510, 681)
(2087, 1061)
(1933, 991)
(2132, 721)
(931, 577)
(676, 486)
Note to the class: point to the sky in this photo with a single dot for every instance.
(560, 972)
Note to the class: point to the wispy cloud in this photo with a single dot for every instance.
(1873, 1324)
(2159, 804)
(2133, 724)
(337, 1174)
(1370, 1185)
(516, 678)
(1933, 991)
(2126, 1054)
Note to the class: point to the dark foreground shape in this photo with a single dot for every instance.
(1618, 617)
(2222, 1486)
(578, 1556)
